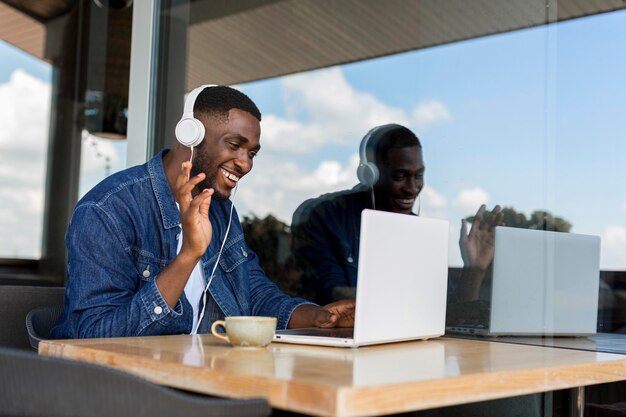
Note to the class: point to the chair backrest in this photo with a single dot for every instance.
(44, 386)
(39, 323)
(15, 303)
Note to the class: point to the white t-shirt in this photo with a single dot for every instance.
(194, 289)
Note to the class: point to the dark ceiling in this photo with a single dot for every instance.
(234, 41)
(41, 10)
(282, 37)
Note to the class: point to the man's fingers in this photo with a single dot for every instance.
(478, 218)
(202, 201)
(496, 217)
(463, 229)
(332, 320)
(185, 185)
(324, 319)
(481, 211)
(183, 174)
(205, 201)
(188, 187)
(499, 216)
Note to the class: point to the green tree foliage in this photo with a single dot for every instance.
(539, 220)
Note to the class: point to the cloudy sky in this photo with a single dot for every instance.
(24, 111)
(502, 119)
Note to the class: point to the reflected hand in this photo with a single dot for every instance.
(194, 212)
(477, 246)
(337, 314)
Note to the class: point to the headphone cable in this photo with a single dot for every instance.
(206, 289)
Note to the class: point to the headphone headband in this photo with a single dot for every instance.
(189, 130)
(363, 145)
(367, 171)
(190, 101)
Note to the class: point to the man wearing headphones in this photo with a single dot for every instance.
(326, 229)
(158, 248)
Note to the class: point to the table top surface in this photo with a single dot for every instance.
(374, 380)
(600, 342)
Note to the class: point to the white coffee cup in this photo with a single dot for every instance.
(246, 331)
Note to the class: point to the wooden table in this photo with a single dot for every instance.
(600, 342)
(367, 381)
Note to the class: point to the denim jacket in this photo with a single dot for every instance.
(123, 233)
(325, 239)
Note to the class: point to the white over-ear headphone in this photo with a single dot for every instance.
(189, 130)
(367, 172)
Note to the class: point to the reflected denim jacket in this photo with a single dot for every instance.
(123, 233)
(325, 240)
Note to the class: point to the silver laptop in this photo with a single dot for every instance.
(402, 280)
(544, 283)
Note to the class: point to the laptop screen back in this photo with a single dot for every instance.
(403, 268)
(544, 283)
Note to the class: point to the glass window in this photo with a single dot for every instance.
(514, 106)
(63, 94)
(25, 119)
(508, 119)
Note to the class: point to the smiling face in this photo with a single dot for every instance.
(226, 154)
(401, 179)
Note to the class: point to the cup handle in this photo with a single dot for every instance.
(214, 327)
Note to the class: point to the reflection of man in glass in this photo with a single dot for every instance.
(326, 229)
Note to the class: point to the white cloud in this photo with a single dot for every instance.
(290, 136)
(613, 254)
(323, 108)
(331, 173)
(433, 204)
(327, 97)
(24, 117)
(430, 113)
(24, 108)
(614, 235)
(279, 188)
(469, 200)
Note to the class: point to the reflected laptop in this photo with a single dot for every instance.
(544, 283)
(420, 360)
(402, 280)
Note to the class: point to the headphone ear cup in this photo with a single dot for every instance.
(367, 173)
(190, 131)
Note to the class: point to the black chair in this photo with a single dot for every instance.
(15, 303)
(39, 323)
(44, 386)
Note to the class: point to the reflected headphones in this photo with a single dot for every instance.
(367, 172)
(189, 130)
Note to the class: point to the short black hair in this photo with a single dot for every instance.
(388, 137)
(219, 100)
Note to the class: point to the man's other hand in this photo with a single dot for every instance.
(337, 314)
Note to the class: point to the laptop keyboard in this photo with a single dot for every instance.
(340, 332)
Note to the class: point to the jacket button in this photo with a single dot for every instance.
(146, 273)
(349, 259)
(158, 310)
